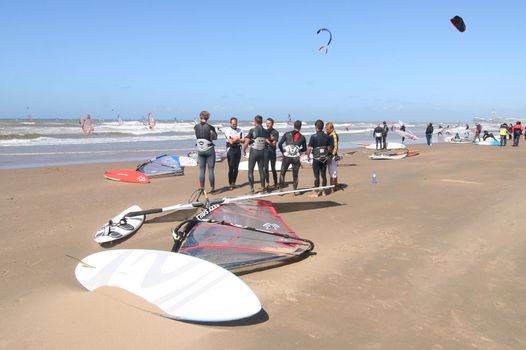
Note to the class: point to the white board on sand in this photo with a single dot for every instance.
(243, 166)
(390, 145)
(184, 287)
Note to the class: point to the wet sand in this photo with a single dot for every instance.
(430, 257)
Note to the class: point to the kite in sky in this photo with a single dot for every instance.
(458, 22)
(330, 39)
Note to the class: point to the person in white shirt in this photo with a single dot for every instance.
(234, 139)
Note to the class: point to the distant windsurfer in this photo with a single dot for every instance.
(291, 145)
(270, 153)
(488, 135)
(206, 155)
(429, 134)
(234, 138)
(320, 146)
(257, 139)
(402, 128)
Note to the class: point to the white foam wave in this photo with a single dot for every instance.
(90, 140)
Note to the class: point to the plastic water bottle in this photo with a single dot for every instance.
(373, 178)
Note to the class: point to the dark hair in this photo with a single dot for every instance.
(297, 124)
(271, 120)
(233, 118)
(204, 114)
(319, 124)
(258, 119)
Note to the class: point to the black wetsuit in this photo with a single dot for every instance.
(322, 145)
(257, 135)
(206, 154)
(385, 130)
(377, 133)
(270, 157)
(233, 155)
(291, 139)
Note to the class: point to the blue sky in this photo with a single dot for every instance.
(388, 59)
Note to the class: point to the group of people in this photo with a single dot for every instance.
(507, 131)
(261, 144)
(380, 135)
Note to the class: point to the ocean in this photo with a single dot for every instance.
(53, 142)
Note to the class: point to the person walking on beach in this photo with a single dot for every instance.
(377, 133)
(291, 145)
(257, 139)
(478, 130)
(206, 155)
(503, 132)
(333, 156)
(429, 133)
(517, 130)
(385, 130)
(320, 146)
(234, 138)
(270, 153)
(509, 131)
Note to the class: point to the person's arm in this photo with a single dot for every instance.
(246, 141)
(213, 133)
(281, 142)
(309, 148)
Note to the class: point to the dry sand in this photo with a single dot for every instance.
(431, 257)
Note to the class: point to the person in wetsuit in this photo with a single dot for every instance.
(385, 130)
(320, 146)
(488, 135)
(206, 155)
(377, 133)
(517, 130)
(402, 128)
(291, 145)
(270, 153)
(234, 138)
(257, 139)
(503, 132)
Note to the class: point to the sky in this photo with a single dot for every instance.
(388, 59)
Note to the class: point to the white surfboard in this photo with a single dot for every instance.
(184, 287)
(187, 161)
(117, 228)
(390, 145)
(243, 166)
(488, 142)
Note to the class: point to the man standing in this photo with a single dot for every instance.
(291, 145)
(206, 155)
(233, 137)
(517, 130)
(429, 133)
(270, 153)
(257, 138)
(478, 130)
(377, 133)
(385, 130)
(320, 145)
(333, 156)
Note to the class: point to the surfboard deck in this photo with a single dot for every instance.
(390, 145)
(124, 175)
(184, 287)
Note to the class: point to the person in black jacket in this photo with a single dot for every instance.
(385, 130)
(270, 153)
(320, 146)
(429, 133)
(291, 145)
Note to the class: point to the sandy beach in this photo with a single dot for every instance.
(430, 257)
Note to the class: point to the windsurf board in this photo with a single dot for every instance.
(184, 287)
(127, 176)
(119, 228)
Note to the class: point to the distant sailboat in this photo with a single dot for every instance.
(119, 120)
(29, 120)
(87, 124)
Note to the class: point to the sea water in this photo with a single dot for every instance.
(50, 142)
